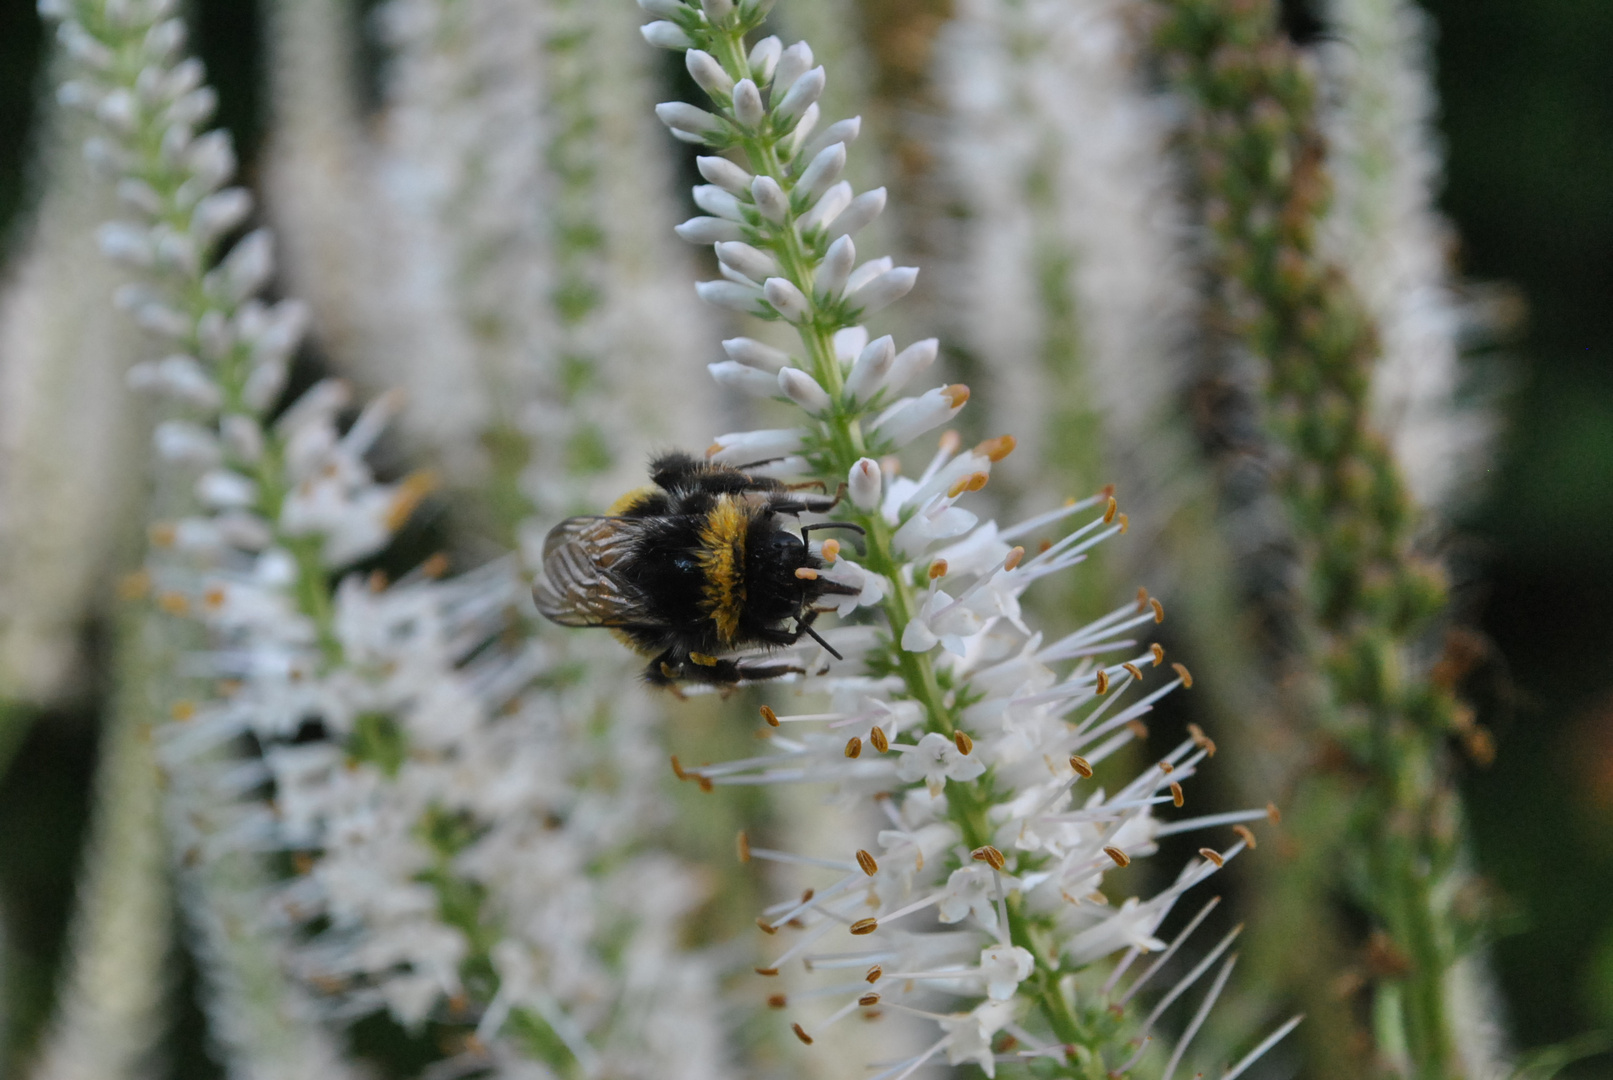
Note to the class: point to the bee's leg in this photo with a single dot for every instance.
(666, 670)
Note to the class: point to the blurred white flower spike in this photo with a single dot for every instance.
(447, 786)
(974, 739)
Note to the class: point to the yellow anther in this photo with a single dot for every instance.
(864, 926)
(831, 550)
(1176, 794)
(770, 716)
(956, 394)
(876, 735)
(1213, 855)
(1013, 559)
(961, 740)
(1110, 510)
(998, 448)
(1120, 857)
(1185, 675)
(938, 569)
(742, 845)
(1082, 767)
(866, 861)
(806, 573)
(854, 746)
(1247, 836)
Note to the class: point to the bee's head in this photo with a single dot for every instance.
(773, 590)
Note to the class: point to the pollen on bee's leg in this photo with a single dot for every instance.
(702, 659)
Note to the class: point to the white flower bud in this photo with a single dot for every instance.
(709, 74)
(770, 199)
(786, 299)
(863, 484)
(211, 160)
(219, 213)
(665, 35)
(663, 9)
(126, 243)
(746, 299)
(714, 200)
(841, 131)
(859, 213)
(828, 208)
(752, 352)
(748, 109)
(793, 63)
(185, 443)
(764, 56)
(193, 108)
(911, 362)
(709, 230)
(804, 390)
(249, 264)
(226, 489)
(243, 435)
(824, 170)
(868, 372)
(753, 263)
(681, 116)
(745, 447)
(836, 266)
(119, 109)
(744, 378)
(163, 40)
(867, 272)
(883, 290)
(806, 91)
(725, 174)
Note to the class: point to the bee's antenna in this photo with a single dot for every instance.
(853, 526)
(819, 639)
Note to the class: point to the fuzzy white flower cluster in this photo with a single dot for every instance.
(972, 738)
(465, 810)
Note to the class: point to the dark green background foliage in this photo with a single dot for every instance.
(1527, 100)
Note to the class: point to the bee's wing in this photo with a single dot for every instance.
(581, 585)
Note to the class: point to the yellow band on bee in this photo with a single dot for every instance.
(722, 561)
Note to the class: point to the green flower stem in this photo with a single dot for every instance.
(1257, 156)
(968, 802)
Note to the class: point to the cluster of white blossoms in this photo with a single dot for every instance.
(466, 811)
(975, 740)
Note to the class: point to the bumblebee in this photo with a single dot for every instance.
(691, 569)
